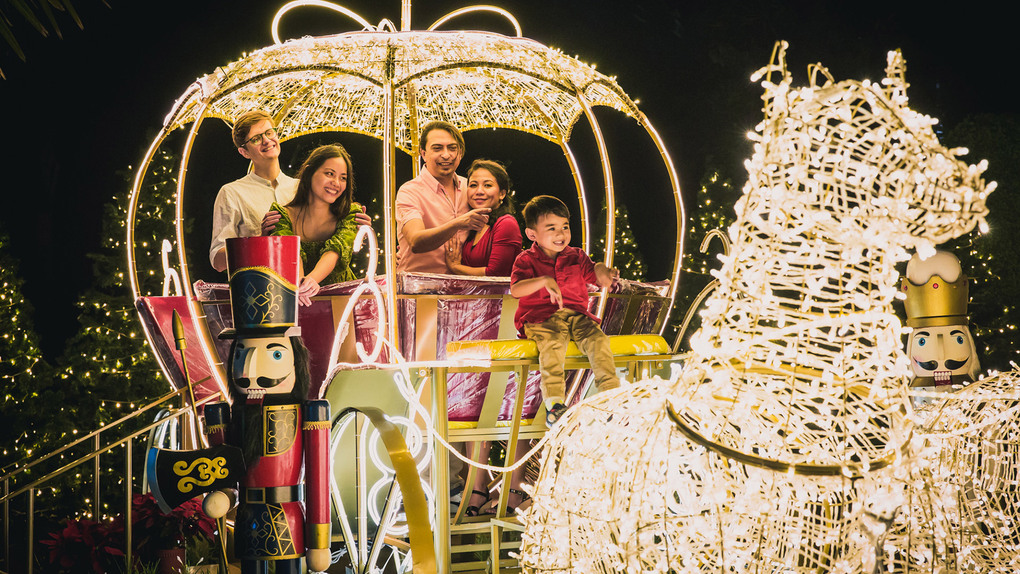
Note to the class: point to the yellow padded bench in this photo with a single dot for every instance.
(521, 356)
(526, 349)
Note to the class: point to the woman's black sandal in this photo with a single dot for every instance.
(524, 497)
(473, 510)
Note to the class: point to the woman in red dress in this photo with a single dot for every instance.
(491, 250)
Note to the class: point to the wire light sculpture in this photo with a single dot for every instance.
(965, 484)
(782, 445)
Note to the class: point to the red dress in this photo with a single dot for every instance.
(497, 249)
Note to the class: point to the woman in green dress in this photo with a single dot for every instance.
(323, 215)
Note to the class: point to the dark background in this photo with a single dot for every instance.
(83, 108)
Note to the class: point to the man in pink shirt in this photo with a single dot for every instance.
(432, 207)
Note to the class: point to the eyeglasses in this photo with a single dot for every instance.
(257, 138)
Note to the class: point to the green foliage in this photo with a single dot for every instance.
(626, 254)
(40, 15)
(990, 259)
(22, 366)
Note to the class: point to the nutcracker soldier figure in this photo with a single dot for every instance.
(283, 436)
(942, 353)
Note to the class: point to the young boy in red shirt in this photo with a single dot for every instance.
(551, 281)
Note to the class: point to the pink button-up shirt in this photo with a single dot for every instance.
(425, 198)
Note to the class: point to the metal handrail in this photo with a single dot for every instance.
(126, 441)
(87, 457)
(92, 435)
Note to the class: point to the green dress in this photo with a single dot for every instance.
(342, 242)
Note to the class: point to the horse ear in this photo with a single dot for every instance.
(895, 81)
(776, 64)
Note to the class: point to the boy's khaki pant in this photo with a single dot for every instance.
(552, 337)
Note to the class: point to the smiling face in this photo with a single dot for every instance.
(266, 150)
(483, 190)
(330, 181)
(442, 154)
(943, 355)
(263, 363)
(551, 234)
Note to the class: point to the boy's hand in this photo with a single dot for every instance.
(554, 291)
(606, 276)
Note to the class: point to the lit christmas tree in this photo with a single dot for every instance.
(714, 211)
(109, 354)
(107, 370)
(22, 366)
(626, 254)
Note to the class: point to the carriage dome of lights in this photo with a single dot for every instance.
(471, 79)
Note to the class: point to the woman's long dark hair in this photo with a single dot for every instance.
(245, 428)
(303, 197)
(505, 207)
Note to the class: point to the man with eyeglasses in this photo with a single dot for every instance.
(241, 205)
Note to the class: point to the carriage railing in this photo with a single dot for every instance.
(14, 481)
(425, 320)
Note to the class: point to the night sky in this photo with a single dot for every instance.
(84, 108)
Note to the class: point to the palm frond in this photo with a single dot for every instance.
(39, 14)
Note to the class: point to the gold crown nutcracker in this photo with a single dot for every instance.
(941, 348)
(282, 493)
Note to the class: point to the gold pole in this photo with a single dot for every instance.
(31, 527)
(97, 509)
(389, 197)
(405, 15)
(182, 344)
(127, 511)
(7, 523)
(607, 174)
(441, 469)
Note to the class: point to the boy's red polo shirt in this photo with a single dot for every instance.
(573, 271)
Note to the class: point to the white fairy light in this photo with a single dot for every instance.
(786, 440)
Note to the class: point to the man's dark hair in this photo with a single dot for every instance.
(446, 127)
(543, 205)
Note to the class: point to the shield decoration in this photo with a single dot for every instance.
(176, 476)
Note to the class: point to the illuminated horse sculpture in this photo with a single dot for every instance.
(785, 432)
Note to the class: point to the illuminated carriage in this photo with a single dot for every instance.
(385, 84)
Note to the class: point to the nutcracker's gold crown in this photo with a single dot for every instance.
(937, 302)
